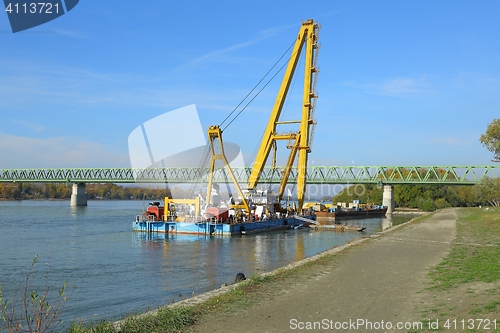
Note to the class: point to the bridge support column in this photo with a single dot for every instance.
(388, 198)
(79, 197)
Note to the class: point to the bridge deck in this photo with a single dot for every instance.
(452, 175)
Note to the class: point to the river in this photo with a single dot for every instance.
(112, 271)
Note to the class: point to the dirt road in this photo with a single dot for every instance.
(374, 289)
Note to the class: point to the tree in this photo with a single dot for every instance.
(489, 190)
(325, 198)
(491, 139)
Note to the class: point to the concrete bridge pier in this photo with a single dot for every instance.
(79, 197)
(388, 198)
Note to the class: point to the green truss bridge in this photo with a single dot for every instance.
(449, 175)
(386, 176)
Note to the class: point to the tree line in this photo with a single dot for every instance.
(427, 197)
(23, 191)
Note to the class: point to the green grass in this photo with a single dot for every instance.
(475, 252)
(494, 306)
(472, 262)
(164, 320)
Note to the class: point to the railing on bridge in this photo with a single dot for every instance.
(452, 175)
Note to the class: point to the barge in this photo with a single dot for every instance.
(330, 213)
(255, 209)
(216, 228)
(351, 213)
(186, 216)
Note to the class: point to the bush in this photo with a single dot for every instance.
(100, 327)
(428, 206)
(37, 309)
(441, 203)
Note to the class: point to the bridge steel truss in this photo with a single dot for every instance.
(447, 175)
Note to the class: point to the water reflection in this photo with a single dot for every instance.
(299, 254)
(387, 222)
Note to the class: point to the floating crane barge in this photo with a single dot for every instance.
(257, 209)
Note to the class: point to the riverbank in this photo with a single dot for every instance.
(213, 310)
(410, 275)
(108, 266)
(418, 273)
(375, 281)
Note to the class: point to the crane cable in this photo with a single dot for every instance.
(255, 87)
(254, 153)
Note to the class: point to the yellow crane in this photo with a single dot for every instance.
(217, 153)
(300, 141)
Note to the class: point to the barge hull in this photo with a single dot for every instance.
(210, 228)
(347, 214)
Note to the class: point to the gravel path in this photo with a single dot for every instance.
(376, 286)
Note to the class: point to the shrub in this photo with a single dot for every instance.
(428, 206)
(441, 203)
(37, 308)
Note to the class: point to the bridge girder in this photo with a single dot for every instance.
(445, 175)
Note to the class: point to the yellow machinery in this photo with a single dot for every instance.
(300, 140)
(307, 36)
(217, 152)
(171, 212)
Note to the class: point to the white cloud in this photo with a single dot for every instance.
(60, 152)
(70, 33)
(33, 127)
(397, 87)
(448, 141)
(478, 83)
(224, 55)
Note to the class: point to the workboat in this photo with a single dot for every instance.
(351, 213)
(347, 211)
(186, 216)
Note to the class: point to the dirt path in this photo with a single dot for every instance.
(377, 282)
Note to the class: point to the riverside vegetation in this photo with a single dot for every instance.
(466, 284)
(425, 197)
(428, 197)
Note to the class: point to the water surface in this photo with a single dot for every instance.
(113, 271)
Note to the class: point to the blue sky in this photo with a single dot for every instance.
(400, 82)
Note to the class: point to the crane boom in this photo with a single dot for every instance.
(301, 139)
(217, 152)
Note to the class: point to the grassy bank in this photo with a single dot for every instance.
(466, 284)
(475, 255)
